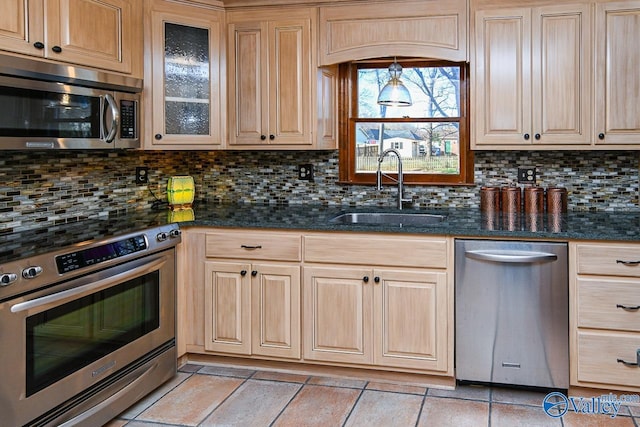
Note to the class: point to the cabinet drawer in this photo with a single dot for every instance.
(599, 301)
(254, 245)
(598, 354)
(370, 249)
(608, 259)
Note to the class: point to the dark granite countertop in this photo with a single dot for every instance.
(613, 226)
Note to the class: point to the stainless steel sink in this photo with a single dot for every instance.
(388, 218)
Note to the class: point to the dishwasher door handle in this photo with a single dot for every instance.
(511, 256)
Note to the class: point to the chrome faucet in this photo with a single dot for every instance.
(379, 175)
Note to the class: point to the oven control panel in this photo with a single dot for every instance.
(97, 254)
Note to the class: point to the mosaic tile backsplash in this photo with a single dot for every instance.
(51, 187)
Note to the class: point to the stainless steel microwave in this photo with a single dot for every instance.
(48, 106)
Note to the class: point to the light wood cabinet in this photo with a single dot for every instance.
(276, 99)
(605, 315)
(422, 29)
(617, 59)
(369, 313)
(105, 34)
(185, 106)
(532, 77)
(252, 307)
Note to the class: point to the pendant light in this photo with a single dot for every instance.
(394, 93)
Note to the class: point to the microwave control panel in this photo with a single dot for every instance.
(128, 119)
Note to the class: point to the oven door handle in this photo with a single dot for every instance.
(80, 291)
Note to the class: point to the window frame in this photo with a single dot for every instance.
(347, 118)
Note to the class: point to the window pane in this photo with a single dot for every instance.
(435, 92)
(425, 148)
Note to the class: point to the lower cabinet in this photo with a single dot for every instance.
(252, 309)
(384, 317)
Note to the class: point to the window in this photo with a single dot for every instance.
(431, 135)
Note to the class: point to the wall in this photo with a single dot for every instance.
(50, 187)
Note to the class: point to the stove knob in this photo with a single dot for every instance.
(8, 278)
(162, 237)
(31, 272)
(174, 233)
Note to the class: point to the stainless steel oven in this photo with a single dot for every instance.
(87, 331)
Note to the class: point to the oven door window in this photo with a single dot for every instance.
(68, 337)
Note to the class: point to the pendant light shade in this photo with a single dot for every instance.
(394, 93)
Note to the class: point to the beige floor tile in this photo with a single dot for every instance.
(571, 419)
(472, 392)
(118, 422)
(517, 396)
(154, 396)
(280, 376)
(319, 406)
(191, 401)
(397, 388)
(226, 371)
(438, 411)
(255, 403)
(504, 415)
(337, 382)
(141, 424)
(377, 408)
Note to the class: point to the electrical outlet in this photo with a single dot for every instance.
(305, 172)
(527, 175)
(142, 175)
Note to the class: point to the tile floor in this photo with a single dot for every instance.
(222, 396)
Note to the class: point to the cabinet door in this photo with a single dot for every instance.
(228, 307)
(411, 319)
(617, 79)
(247, 88)
(502, 77)
(186, 96)
(22, 25)
(337, 314)
(561, 75)
(289, 82)
(91, 32)
(276, 310)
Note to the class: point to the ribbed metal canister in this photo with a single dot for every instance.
(556, 200)
(511, 199)
(534, 200)
(490, 199)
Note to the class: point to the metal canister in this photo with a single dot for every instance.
(490, 199)
(534, 200)
(556, 200)
(511, 199)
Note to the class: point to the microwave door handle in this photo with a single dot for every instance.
(91, 287)
(109, 102)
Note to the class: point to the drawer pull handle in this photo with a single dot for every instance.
(628, 307)
(249, 247)
(629, 263)
(631, 364)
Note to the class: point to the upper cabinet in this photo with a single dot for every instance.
(617, 59)
(105, 34)
(427, 28)
(556, 76)
(277, 100)
(184, 77)
(531, 77)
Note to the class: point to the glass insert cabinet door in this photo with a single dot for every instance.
(186, 81)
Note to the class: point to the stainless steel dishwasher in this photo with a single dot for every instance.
(512, 313)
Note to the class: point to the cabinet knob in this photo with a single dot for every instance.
(263, 137)
(526, 136)
(243, 273)
(56, 49)
(272, 137)
(38, 45)
(601, 136)
(376, 279)
(158, 136)
(365, 279)
(254, 273)
(537, 136)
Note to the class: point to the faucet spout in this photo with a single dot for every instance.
(379, 174)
